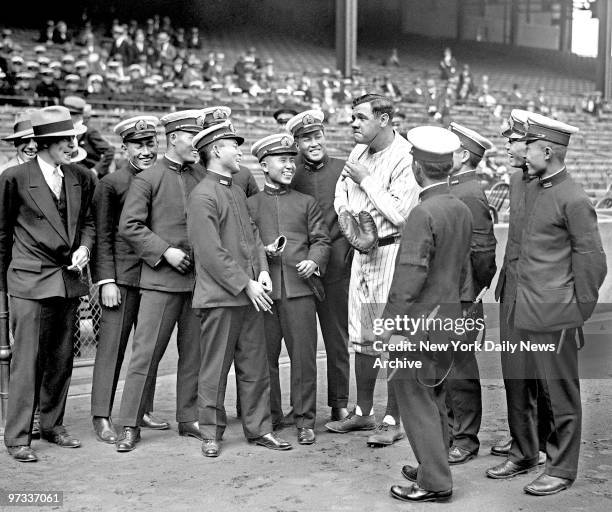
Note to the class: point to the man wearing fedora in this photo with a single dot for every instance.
(23, 140)
(153, 222)
(46, 235)
(100, 152)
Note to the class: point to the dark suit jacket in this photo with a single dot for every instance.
(320, 182)
(154, 219)
(35, 248)
(100, 152)
(227, 248)
(433, 258)
(113, 256)
(561, 262)
(482, 247)
(297, 217)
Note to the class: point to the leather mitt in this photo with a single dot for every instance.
(361, 233)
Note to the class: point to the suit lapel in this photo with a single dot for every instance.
(41, 194)
(73, 200)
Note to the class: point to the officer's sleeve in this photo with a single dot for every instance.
(147, 245)
(319, 243)
(204, 234)
(412, 264)
(483, 242)
(106, 213)
(588, 257)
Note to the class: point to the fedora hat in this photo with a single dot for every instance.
(53, 122)
(22, 128)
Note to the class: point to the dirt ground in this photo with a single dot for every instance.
(338, 473)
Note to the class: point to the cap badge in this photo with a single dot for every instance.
(219, 114)
(308, 119)
(285, 142)
(140, 125)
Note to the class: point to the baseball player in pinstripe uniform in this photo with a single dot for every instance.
(377, 178)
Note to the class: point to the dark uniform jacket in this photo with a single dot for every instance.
(154, 219)
(100, 152)
(320, 182)
(433, 258)
(243, 178)
(35, 244)
(296, 216)
(520, 184)
(561, 262)
(482, 247)
(227, 248)
(113, 256)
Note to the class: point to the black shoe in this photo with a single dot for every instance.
(545, 485)
(339, 413)
(415, 493)
(150, 421)
(457, 455)
(410, 473)
(190, 429)
(211, 448)
(128, 439)
(508, 469)
(22, 453)
(502, 448)
(60, 436)
(305, 435)
(105, 432)
(271, 441)
(352, 422)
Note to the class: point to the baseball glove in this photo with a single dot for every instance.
(362, 234)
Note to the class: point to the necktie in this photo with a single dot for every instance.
(56, 183)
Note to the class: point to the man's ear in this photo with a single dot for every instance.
(384, 120)
(123, 146)
(548, 153)
(465, 156)
(264, 166)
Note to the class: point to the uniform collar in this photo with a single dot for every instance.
(553, 179)
(219, 178)
(175, 166)
(132, 168)
(310, 166)
(462, 177)
(434, 190)
(275, 191)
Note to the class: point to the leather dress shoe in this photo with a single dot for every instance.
(103, 427)
(150, 421)
(211, 448)
(415, 493)
(271, 441)
(457, 455)
(22, 453)
(385, 435)
(508, 469)
(128, 439)
(502, 448)
(410, 473)
(339, 413)
(190, 429)
(305, 435)
(352, 422)
(61, 437)
(545, 485)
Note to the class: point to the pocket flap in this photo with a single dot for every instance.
(25, 264)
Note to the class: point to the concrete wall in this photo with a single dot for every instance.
(432, 18)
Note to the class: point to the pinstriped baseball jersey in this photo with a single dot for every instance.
(388, 194)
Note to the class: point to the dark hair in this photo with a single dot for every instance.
(205, 153)
(474, 160)
(435, 171)
(380, 104)
(44, 142)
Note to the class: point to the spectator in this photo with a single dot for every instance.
(432, 99)
(466, 86)
(194, 42)
(393, 59)
(416, 93)
(542, 102)
(516, 96)
(132, 29)
(167, 52)
(72, 84)
(61, 34)
(179, 38)
(390, 89)
(47, 89)
(448, 65)
(253, 57)
(68, 62)
(46, 33)
(121, 45)
(486, 99)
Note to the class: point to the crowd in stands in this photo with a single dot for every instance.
(158, 63)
